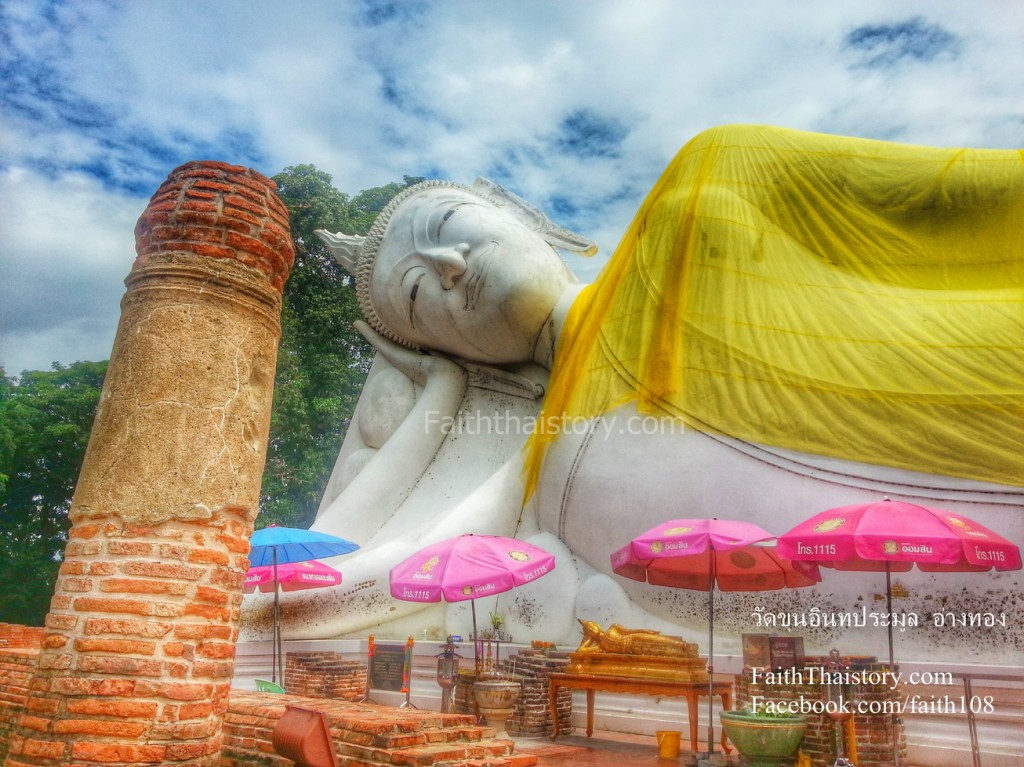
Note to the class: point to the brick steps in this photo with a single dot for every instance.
(367, 735)
(364, 734)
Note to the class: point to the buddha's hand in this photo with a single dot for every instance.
(418, 366)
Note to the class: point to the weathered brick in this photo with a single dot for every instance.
(56, 662)
(208, 557)
(43, 749)
(142, 586)
(74, 585)
(124, 646)
(201, 206)
(213, 251)
(129, 548)
(180, 691)
(217, 650)
(123, 753)
(98, 727)
(82, 549)
(43, 705)
(194, 710)
(162, 570)
(213, 669)
(132, 627)
(83, 531)
(113, 709)
(99, 605)
(201, 631)
(210, 184)
(104, 664)
(184, 730)
(173, 551)
(74, 567)
(199, 194)
(36, 723)
(211, 612)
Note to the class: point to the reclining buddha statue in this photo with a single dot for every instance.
(792, 322)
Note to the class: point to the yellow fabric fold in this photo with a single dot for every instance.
(843, 297)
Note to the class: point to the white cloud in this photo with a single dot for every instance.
(67, 246)
(371, 91)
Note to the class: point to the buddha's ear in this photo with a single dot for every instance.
(345, 248)
(534, 218)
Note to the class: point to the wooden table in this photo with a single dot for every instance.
(692, 691)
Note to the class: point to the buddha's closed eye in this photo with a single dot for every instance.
(412, 298)
(444, 219)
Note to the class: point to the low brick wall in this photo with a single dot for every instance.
(14, 635)
(531, 716)
(19, 649)
(324, 675)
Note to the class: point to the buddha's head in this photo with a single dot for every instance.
(471, 271)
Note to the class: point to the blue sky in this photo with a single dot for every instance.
(575, 105)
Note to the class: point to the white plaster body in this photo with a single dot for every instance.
(601, 487)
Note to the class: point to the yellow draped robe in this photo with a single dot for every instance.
(842, 297)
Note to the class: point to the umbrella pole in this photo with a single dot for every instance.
(892, 668)
(888, 606)
(477, 664)
(711, 657)
(277, 623)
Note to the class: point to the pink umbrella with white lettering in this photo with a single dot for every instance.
(292, 576)
(699, 554)
(467, 567)
(894, 536)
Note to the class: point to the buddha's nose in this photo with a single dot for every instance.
(450, 263)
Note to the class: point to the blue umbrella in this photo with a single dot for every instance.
(293, 544)
(275, 545)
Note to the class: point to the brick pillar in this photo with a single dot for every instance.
(138, 655)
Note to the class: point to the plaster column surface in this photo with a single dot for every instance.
(138, 654)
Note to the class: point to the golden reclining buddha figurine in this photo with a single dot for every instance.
(624, 641)
(640, 653)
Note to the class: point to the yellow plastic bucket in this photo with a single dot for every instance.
(668, 743)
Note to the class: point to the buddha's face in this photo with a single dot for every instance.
(457, 274)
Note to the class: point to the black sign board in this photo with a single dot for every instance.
(387, 667)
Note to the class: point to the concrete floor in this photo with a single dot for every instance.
(606, 749)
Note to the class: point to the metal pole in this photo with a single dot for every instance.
(477, 660)
(892, 662)
(711, 657)
(277, 624)
(888, 606)
(972, 725)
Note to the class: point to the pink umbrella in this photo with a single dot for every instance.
(292, 576)
(699, 554)
(467, 567)
(894, 535)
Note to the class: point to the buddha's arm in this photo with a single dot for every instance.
(383, 483)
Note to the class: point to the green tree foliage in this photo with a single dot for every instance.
(322, 360)
(45, 420)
